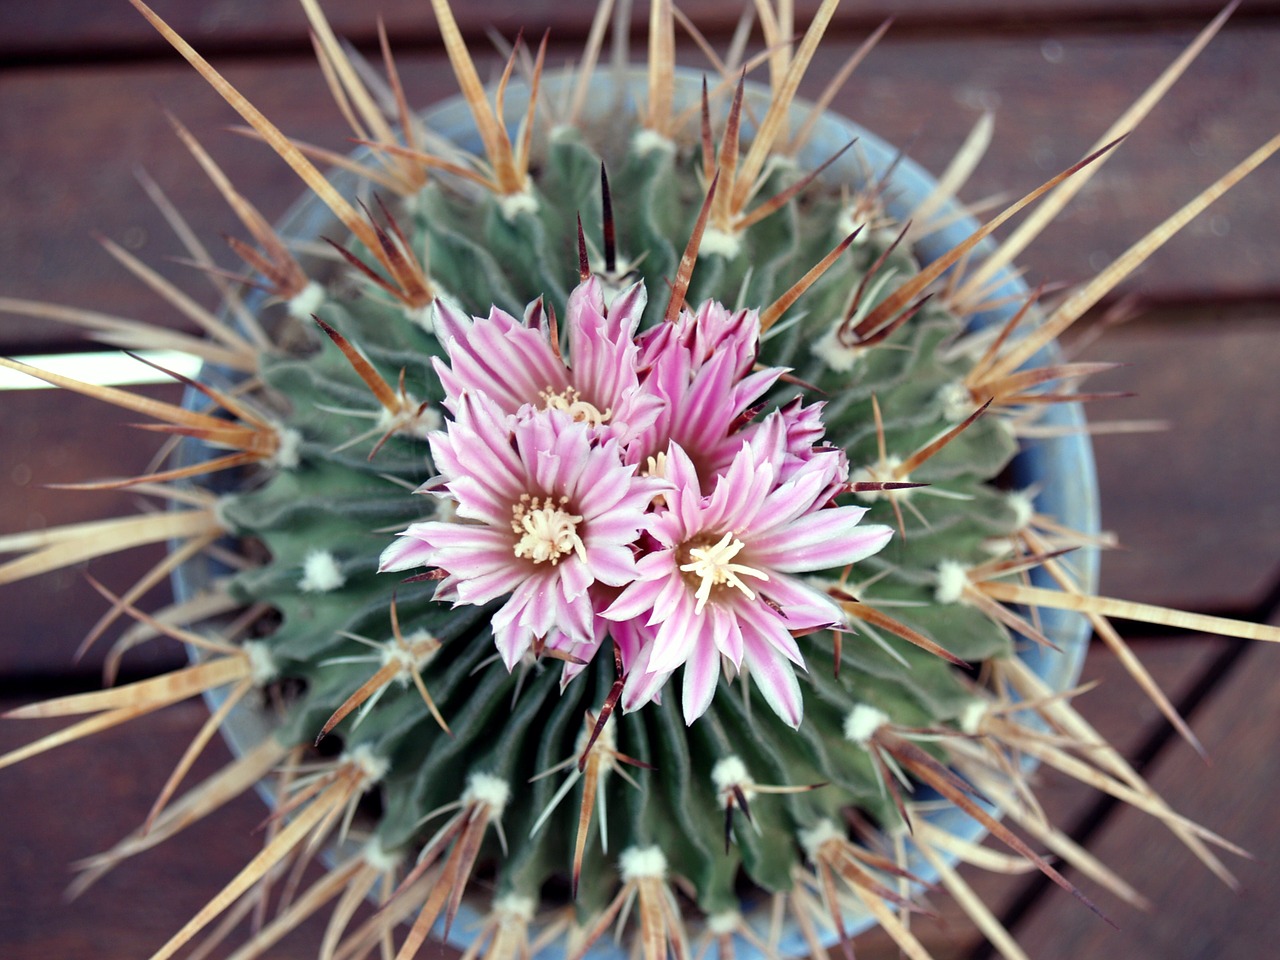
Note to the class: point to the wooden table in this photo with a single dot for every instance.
(81, 87)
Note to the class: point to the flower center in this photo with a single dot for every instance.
(655, 466)
(712, 565)
(570, 401)
(547, 531)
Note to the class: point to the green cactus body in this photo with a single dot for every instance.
(517, 725)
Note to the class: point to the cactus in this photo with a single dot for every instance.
(711, 496)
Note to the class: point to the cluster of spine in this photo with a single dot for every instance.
(445, 758)
(512, 718)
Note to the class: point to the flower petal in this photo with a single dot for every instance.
(819, 541)
(701, 675)
(775, 677)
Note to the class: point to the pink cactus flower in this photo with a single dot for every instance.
(543, 510)
(629, 494)
(700, 368)
(515, 364)
(724, 580)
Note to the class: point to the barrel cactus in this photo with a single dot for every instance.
(620, 510)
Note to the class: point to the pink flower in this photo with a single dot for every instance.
(700, 368)
(722, 581)
(804, 441)
(627, 638)
(544, 511)
(515, 365)
(694, 565)
(702, 334)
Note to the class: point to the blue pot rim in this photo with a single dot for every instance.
(1073, 499)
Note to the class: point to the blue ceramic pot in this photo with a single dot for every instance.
(1060, 469)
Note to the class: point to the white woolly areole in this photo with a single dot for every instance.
(427, 422)
(862, 723)
(956, 401)
(850, 219)
(288, 448)
(514, 204)
(730, 772)
(999, 546)
(320, 573)
(220, 514)
(410, 203)
(379, 857)
(262, 665)
(373, 766)
(972, 716)
(779, 163)
(562, 132)
(648, 141)
(306, 302)
(485, 788)
(637, 863)
(715, 240)
(420, 648)
(1023, 505)
(514, 905)
(607, 742)
(813, 838)
(881, 473)
(953, 577)
(411, 420)
(423, 317)
(834, 354)
(610, 287)
(723, 924)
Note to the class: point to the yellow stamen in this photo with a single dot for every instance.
(570, 401)
(547, 531)
(712, 564)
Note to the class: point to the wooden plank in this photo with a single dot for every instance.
(1195, 915)
(1052, 100)
(77, 801)
(73, 137)
(1122, 714)
(1194, 506)
(66, 28)
(53, 437)
(131, 911)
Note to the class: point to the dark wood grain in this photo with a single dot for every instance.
(1052, 102)
(64, 29)
(1194, 506)
(1195, 916)
(73, 137)
(1117, 709)
(78, 801)
(53, 437)
(74, 140)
